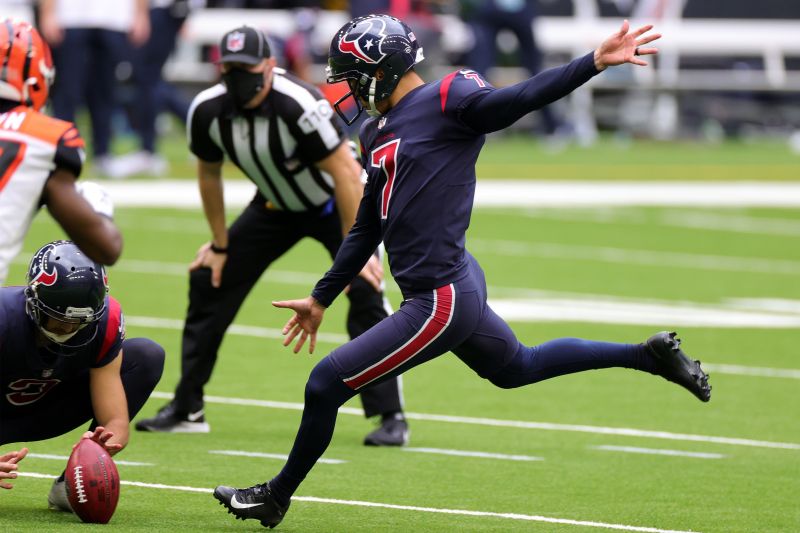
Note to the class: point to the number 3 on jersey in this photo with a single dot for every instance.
(11, 153)
(385, 158)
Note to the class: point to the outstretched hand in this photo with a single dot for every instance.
(305, 322)
(8, 467)
(623, 47)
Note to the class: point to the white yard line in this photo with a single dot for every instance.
(664, 314)
(261, 455)
(498, 193)
(413, 508)
(680, 218)
(467, 453)
(520, 424)
(338, 338)
(762, 372)
(606, 254)
(655, 451)
(66, 457)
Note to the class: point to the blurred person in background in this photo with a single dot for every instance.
(154, 94)
(284, 136)
(487, 18)
(41, 157)
(90, 39)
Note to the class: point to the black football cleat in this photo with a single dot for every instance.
(674, 365)
(393, 431)
(169, 420)
(255, 502)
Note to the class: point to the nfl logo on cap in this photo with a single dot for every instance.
(235, 41)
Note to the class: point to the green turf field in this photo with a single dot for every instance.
(563, 449)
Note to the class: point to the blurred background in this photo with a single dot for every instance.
(728, 70)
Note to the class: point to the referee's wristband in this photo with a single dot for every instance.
(218, 249)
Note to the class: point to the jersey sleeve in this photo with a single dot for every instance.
(112, 333)
(459, 89)
(202, 113)
(70, 152)
(317, 131)
(497, 109)
(355, 251)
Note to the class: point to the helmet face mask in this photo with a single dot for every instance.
(27, 64)
(372, 54)
(66, 293)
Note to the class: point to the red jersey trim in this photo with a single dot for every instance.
(112, 328)
(444, 299)
(444, 88)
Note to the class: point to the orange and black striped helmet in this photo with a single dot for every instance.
(26, 66)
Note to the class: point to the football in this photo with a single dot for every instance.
(92, 482)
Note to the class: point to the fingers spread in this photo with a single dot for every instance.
(290, 335)
(300, 342)
(648, 39)
(643, 30)
(289, 325)
(313, 343)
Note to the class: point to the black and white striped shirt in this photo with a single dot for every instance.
(276, 144)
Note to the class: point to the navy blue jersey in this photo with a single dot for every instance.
(420, 161)
(28, 371)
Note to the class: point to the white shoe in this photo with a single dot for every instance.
(57, 500)
(141, 162)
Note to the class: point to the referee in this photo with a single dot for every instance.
(284, 136)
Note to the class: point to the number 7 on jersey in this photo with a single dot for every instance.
(385, 158)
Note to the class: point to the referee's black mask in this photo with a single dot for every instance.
(246, 46)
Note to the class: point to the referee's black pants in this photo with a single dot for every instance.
(258, 237)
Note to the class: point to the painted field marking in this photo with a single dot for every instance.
(655, 451)
(239, 453)
(66, 458)
(628, 256)
(611, 311)
(531, 305)
(684, 218)
(524, 304)
(465, 453)
(436, 510)
(235, 329)
(763, 372)
(600, 430)
(507, 193)
(338, 338)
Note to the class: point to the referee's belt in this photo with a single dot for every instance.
(324, 209)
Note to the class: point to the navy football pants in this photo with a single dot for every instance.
(457, 318)
(68, 405)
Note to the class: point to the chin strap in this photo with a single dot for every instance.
(372, 111)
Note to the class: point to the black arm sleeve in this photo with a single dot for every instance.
(498, 109)
(69, 152)
(353, 254)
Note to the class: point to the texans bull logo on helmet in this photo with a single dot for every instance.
(46, 278)
(364, 46)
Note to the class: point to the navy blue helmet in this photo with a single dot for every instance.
(364, 45)
(64, 285)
